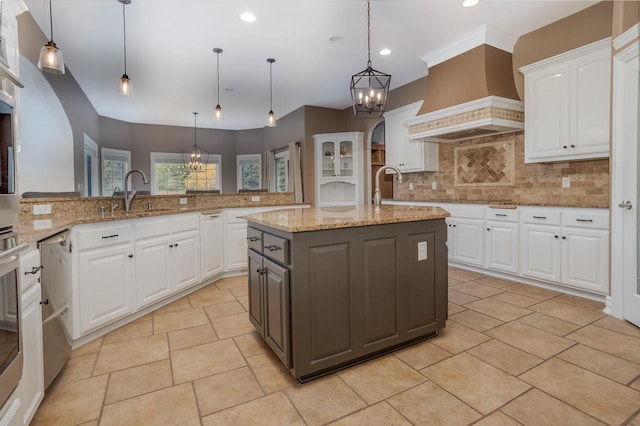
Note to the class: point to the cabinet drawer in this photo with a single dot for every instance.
(507, 215)
(185, 222)
(276, 248)
(586, 220)
(148, 228)
(104, 236)
(543, 217)
(254, 239)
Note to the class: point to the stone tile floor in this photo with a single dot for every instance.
(510, 354)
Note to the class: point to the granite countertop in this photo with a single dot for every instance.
(315, 219)
(504, 202)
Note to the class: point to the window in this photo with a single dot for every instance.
(168, 175)
(282, 171)
(249, 170)
(115, 165)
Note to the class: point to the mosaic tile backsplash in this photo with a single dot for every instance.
(533, 184)
(486, 164)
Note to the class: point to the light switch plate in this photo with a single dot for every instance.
(411, 186)
(183, 201)
(434, 185)
(566, 182)
(42, 209)
(422, 251)
(255, 198)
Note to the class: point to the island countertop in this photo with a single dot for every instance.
(315, 219)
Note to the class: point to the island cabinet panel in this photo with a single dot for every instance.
(380, 288)
(326, 299)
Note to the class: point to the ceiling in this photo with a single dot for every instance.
(171, 62)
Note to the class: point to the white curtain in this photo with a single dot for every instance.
(295, 172)
(271, 172)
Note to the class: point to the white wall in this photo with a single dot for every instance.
(45, 161)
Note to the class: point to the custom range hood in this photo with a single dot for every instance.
(469, 96)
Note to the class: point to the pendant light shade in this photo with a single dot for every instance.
(51, 59)
(195, 157)
(124, 84)
(369, 88)
(271, 116)
(218, 110)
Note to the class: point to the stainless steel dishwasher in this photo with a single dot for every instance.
(55, 258)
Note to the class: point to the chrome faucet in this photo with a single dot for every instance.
(114, 205)
(128, 197)
(377, 196)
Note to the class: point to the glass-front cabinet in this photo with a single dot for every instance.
(338, 165)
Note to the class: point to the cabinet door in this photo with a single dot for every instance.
(153, 270)
(276, 310)
(585, 259)
(186, 259)
(235, 253)
(547, 108)
(32, 383)
(468, 243)
(503, 246)
(541, 252)
(591, 100)
(256, 315)
(105, 285)
(211, 245)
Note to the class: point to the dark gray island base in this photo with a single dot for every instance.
(327, 290)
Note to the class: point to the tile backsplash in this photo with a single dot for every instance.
(534, 184)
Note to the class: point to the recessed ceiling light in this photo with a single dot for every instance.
(470, 3)
(335, 39)
(248, 17)
(385, 52)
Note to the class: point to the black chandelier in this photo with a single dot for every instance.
(195, 157)
(369, 88)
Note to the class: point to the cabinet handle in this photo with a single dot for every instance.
(175, 245)
(44, 302)
(555, 236)
(34, 270)
(261, 271)
(573, 146)
(501, 215)
(272, 248)
(564, 237)
(449, 225)
(104, 237)
(215, 216)
(488, 229)
(130, 256)
(585, 220)
(564, 147)
(454, 225)
(539, 217)
(170, 245)
(253, 239)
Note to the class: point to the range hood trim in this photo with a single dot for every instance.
(495, 125)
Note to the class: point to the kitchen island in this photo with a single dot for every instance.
(330, 287)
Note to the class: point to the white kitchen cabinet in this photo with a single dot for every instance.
(502, 246)
(542, 252)
(211, 227)
(32, 382)
(105, 285)
(339, 179)
(585, 258)
(235, 253)
(153, 270)
(468, 240)
(567, 102)
(185, 259)
(400, 151)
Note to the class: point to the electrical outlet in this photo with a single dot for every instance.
(566, 182)
(255, 198)
(434, 185)
(183, 201)
(422, 251)
(80, 186)
(410, 186)
(42, 224)
(42, 209)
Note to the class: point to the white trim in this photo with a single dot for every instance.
(567, 56)
(90, 147)
(631, 34)
(248, 157)
(286, 155)
(110, 153)
(484, 35)
(489, 101)
(616, 305)
(403, 110)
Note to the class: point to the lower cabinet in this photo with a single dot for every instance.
(153, 270)
(502, 246)
(211, 243)
(32, 382)
(468, 241)
(235, 246)
(542, 252)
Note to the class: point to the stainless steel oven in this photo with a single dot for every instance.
(8, 199)
(10, 333)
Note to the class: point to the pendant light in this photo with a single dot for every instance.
(369, 88)
(218, 114)
(51, 60)
(124, 84)
(195, 157)
(271, 116)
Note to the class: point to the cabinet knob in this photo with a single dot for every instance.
(564, 237)
(555, 236)
(130, 256)
(175, 245)
(488, 229)
(272, 248)
(170, 245)
(564, 147)
(573, 146)
(44, 302)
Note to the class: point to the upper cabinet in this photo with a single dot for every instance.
(339, 180)
(567, 105)
(9, 53)
(406, 155)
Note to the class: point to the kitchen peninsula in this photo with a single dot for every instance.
(329, 287)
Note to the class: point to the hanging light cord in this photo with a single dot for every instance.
(195, 118)
(124, 31)
(368, 33)
(270, 86)
(218, 68)
(51, 20)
